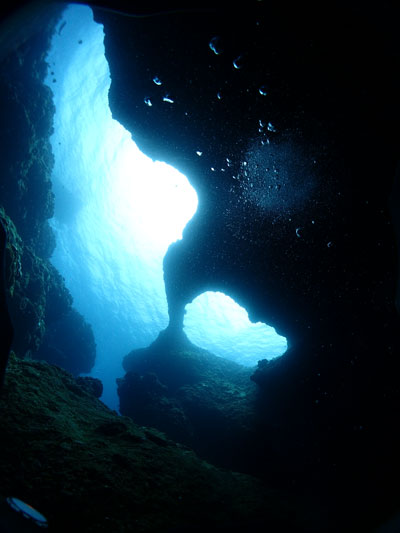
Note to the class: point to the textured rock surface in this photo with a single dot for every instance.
(44, 322)
(197, 398)
(6, 331)
(39, 303)
(25, 128)
(69, 343)
(87, 468)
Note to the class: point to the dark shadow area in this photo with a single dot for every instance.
(69, 343)
(321, 269)
(198, 399)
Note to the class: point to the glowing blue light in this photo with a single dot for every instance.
(116, 212)
(217, 323)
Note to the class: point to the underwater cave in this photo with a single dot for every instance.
(199, 262)
(116, 213)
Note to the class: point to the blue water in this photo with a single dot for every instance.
(215, 322)
(116, 213)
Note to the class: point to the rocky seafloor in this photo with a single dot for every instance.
(84, 467)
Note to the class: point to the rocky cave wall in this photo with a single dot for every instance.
(46, 326)
(288, 131)
(321, 120)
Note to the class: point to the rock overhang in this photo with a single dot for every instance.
(294, 97)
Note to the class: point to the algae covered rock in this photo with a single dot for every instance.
(26, 124)
(27, 279)
(46, 326)
(38, 300)
(87, 468)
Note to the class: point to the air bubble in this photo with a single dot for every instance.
(215, 45)
(238, 62)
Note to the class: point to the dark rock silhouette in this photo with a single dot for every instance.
(298, 153)
(200, 400)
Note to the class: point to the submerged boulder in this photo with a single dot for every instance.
(195, 397)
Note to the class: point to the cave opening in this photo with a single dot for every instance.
(116, 213)
(232, 335)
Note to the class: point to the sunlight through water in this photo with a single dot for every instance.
(116, 213)
(231, 335)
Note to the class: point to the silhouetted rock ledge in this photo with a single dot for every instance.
(201, 400)
(84, 467)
